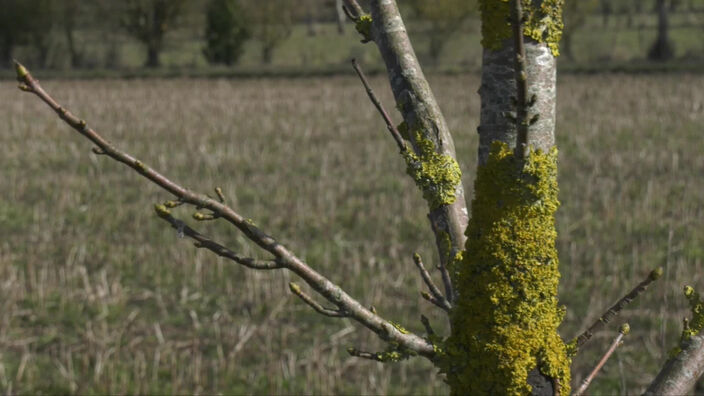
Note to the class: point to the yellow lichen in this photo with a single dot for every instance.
(543, 22)
(506, 317)
(697, 307)
(437, 175)
(364, 27)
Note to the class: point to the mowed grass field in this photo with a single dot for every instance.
(97, 295)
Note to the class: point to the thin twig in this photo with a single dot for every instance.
(296, 289)
(389, 124)
(426, 323)
(521, 79)
(447, 282)
(364, 355)
(623, 331)
(353, 9)
(203, 241)
(616, 308)
(330, 291)
(434, 301)
(429, 282)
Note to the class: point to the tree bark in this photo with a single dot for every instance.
(681, 372)
(421, 114)
(504, 337)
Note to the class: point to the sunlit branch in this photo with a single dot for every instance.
(622, 332)
(616, 308)
(330, 291)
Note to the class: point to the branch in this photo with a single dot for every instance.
(441, 300)
(434, 301)
(421, 114)
(389, 124)
(334, 313)
(353, 9)
(204, 242)
(616, 308)
(623, 331)
(680, 373)
(330, 291)
(521, 79)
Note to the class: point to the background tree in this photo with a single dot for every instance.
(272, 22)
(662, 49)
(443, 19)
(148, 21)
(25, 22)
(575, 15)
(226, 31)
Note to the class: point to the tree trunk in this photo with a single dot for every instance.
(504, 336)
(662, 48)
(152, 55)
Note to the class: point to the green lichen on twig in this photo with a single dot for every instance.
(437, 175)
(506, 316)
(543, 22)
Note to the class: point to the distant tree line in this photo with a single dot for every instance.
(50, 27)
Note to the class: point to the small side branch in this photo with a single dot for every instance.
(204, 242)
(439, 299)
(283, 257)
(521, 79)
(616, 308)
(365, 355)
(622, 332)
(334, 313)
(389, 124)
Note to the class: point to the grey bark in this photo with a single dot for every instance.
(498, 87)
(681, 372)
(417, 104)
(340, 17)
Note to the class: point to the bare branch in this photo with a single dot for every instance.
(203, 241)
(429, 281)
(616, 308)
(434, 301)
(521, 79)
(330, 291)
(421, 114)
(389, 124)
(295, 289)
(447, 282)
(681, 372)
(623, 331)
(365, 355)
(426, 323)
(353, 9)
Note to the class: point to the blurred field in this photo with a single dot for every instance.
(99, 296)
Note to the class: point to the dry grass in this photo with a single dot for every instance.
(99, 296)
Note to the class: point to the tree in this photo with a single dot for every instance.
(272, 22)
(148, 21)
(444, 19)
(225, 32)
(662, 49)
(500, 279)
(25, 22)
(575, 15)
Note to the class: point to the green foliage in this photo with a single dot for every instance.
(272, 23)
(226, 31)
(505, 320)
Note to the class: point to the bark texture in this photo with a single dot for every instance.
(681, 372)
(498, 87)
(422, 116)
